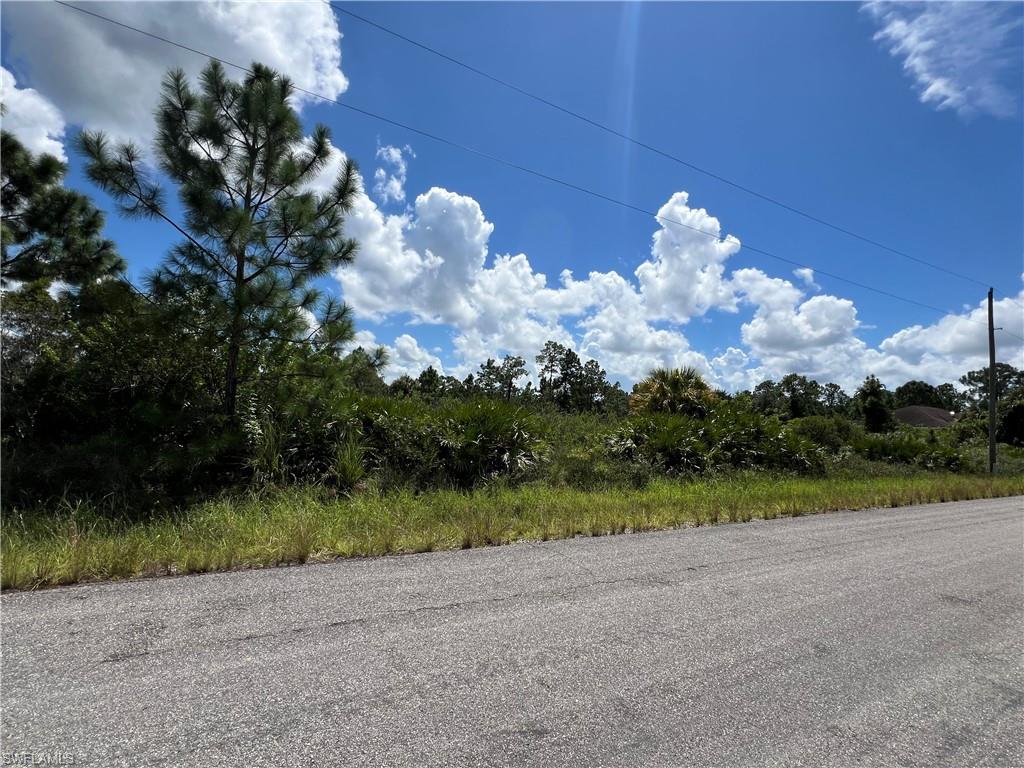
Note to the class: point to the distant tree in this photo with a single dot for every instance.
(1010, 428)
(874, 403)
(1010, 406)
(615, 400)
(917, 393)
(673, 390)
(48, 232)
(834, 400)
(593, 387)
(769, 399)
(403, 386)
(802, 396)
(796, 396)
(561, 375)
(572, 385)
(361, 370)
(428, 383)
(1008, 379)
(255, 237)
(488, 379)
(499, 379)
(452, 387)
(951, 398)
(793, 397)
(511, 369)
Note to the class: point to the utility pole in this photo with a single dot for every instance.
(991, 388)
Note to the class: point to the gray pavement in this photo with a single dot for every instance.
(875, 638)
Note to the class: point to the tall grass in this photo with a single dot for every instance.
(77, 542)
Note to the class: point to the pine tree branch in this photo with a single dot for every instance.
(227, 113)
(155, 211)
(283, 188)
(218, 165)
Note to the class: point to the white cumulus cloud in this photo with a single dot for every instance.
(684, 276)
(31, 118)
(106, 77)
(961, 339)
(405, 356)
(432, 264)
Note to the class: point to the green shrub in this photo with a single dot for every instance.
(833, 433)
(401, 439)
(457, 444)
(673, 390)
(349, 462)
(743, 439)
(730, 436)
(907, 446)
(595, 468)
(302, 443)
(577, 456)
(484, 439)
(968, 428)
(1011, 419)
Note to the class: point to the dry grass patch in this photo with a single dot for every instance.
(72, 543)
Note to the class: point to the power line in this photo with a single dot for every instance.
(518, 167)
(650, 148)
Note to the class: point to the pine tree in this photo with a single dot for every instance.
(255, 237)
(48, 232)
(428, 383)
(511, 370)
(499, 380)
(573, 385)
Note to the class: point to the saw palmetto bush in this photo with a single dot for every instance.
(909, 446)
(672, 390)
(454, 444)
(832, 433)
(727, 436)
(486, 439)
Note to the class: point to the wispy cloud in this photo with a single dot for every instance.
(390, 186)
(806, 275)
(963, 56)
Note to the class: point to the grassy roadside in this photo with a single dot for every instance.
(78, 543)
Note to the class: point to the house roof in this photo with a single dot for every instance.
(924, 416)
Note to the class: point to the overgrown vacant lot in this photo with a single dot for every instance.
(81, 542)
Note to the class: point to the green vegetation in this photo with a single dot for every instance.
(78, 542)
(220, 418)
(255, 237)
(48, 232)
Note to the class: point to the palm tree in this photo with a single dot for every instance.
(672, 390)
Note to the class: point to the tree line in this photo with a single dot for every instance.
(570, 385)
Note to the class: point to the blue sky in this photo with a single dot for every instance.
(902, 123)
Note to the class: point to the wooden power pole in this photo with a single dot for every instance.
(991, 388)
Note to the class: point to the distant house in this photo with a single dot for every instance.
(924, 416)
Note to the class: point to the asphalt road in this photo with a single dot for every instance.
(885, 637)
